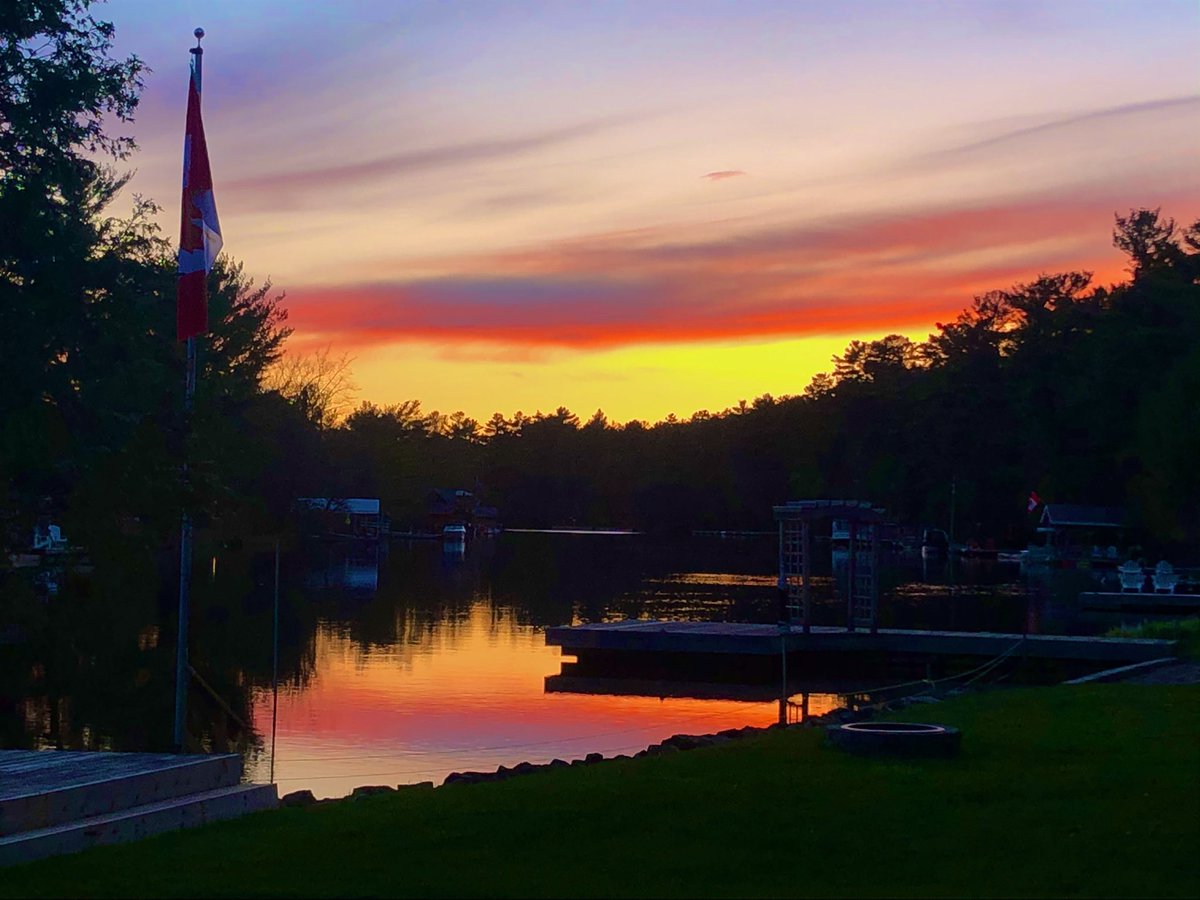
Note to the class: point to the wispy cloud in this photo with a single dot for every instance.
(412, 161)
(723, 174)
(1188, 106)
(638, 287)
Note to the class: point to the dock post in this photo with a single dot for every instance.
(875, 560)
(851, 572)
(806, 573)
(783, 690)
(782, 583)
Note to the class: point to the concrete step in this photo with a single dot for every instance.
(138, 822)
(40, 789)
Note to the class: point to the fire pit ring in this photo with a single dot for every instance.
(899, 739)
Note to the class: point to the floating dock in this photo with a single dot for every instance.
(1144, 601)
(54, 802)
(635, 636)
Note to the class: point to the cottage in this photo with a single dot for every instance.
(350, 517)
(1075, 532)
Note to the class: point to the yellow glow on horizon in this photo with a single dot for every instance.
(640, 382)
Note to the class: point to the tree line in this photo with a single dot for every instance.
(1082, 392)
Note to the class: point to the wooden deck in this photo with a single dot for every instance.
(568, 683)
(730, 638)
(1143, 600)
(54, 802)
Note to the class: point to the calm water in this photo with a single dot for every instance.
(406, 665)
(440, 663)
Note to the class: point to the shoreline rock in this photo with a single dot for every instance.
(676, 743)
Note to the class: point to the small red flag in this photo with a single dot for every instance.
(199, 230)
(1034, 501)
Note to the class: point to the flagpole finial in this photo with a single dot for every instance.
(199, 33)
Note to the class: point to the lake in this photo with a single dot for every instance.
(407, 663)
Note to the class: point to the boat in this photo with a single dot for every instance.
(454, 534)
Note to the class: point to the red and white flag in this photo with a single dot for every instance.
(1034, 501)
(199, 231)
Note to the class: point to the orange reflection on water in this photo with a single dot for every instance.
(466, 694)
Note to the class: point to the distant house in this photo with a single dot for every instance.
(455, 506)
(1074, 531)
(351, 517)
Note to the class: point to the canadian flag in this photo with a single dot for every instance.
(1034, 501)
(199, 230)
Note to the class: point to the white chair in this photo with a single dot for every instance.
(49, 539)
(1131, 575)
(1165, 578)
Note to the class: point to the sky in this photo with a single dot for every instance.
(659, 206)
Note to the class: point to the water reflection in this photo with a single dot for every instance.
(404, 666)
(468, 695)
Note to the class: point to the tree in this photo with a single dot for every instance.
(1150, 240)
(319, 383)
(90, 371)
(866, 361)
(58, 86)
(64, 268)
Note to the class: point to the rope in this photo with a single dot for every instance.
(220, 700)
(931, 682)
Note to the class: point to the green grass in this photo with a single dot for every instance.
(1186, 631)
(1065, 791)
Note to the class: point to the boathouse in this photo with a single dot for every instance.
(349, 517)
(455, 506)
(1076, 532)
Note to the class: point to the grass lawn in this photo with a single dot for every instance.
(1065, 791)
(1186, 631)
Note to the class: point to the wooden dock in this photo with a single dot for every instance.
(1143, 601)
(661, 688)
(54, 802)
(635, 636)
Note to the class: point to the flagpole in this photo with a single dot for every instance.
(185, 529)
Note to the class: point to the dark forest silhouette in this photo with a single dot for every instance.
(1084, 393)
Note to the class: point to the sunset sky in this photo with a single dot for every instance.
(659, 206)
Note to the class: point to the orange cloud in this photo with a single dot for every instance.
(660, 285)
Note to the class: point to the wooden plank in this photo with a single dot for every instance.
(757, 640)
(136, 823)
(39, 789)
(1144, 600)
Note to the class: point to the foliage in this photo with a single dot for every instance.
(90, 373)
(318, 383)
(1185, 631)
(1075, 390)
(58, 85)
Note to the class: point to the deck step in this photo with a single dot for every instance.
(41, 789)
(138, 822)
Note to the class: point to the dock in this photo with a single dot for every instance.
(661, 689)
(653, 637)
(1144, 601)
(54, 802)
